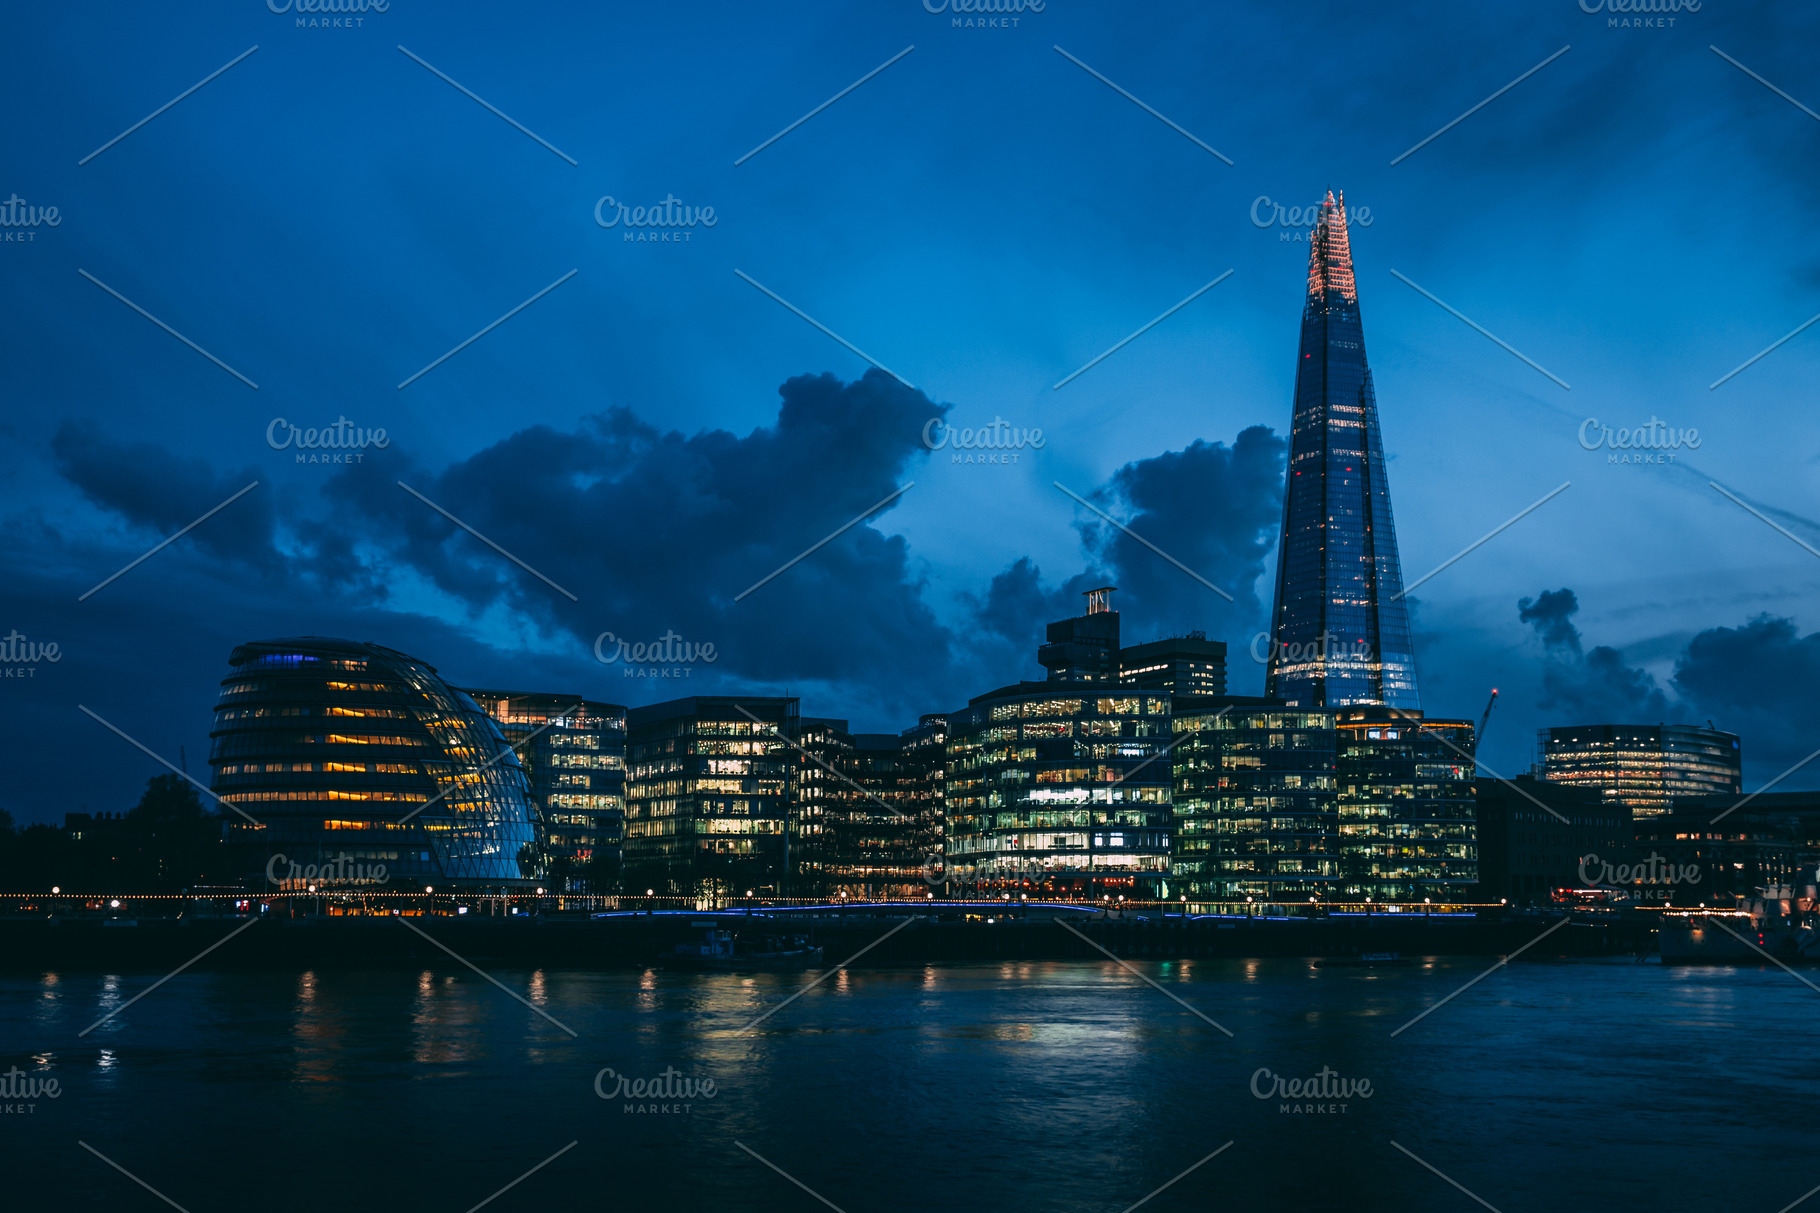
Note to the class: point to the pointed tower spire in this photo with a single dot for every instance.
(1340, 623)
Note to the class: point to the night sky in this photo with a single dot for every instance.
(655, 434)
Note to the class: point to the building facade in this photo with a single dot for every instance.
(1533, 836)
(1646, 766)
(1405, 806)
(1255, 813)
(1340, 625)
(1060, 788)
(574, 755)
(333, 750)
(923, 783)
(1735, 856)
(709, 782)
(892, 829)
(1180, 665)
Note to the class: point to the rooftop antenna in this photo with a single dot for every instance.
(1099, 600)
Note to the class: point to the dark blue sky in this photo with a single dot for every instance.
(983, 217)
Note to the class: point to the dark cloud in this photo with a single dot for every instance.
(162, 493)
(1594, 687)
(1756, 681)
(1214, 508)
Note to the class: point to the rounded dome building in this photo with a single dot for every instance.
(339, 750)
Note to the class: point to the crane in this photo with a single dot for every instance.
(1489, 704)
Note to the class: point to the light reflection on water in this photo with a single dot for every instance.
(1035, 1085)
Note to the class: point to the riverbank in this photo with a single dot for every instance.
(623, 940)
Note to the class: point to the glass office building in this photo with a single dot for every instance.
(1341, 628)
(339, 749)
(1405, 805)
(1255, 814)
(574, 755)
(709, 781)
(1057, 788)
(1646, 766)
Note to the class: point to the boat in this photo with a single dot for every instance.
(724, 952)
(1364, 960)
(1779, 922)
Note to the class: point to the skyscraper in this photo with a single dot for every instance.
(1340, 626)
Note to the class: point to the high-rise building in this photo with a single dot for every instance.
(574, 754)
(708, 791)
(1181, 665)
(340, 750)
(1255, 817)
(1405, 805)
(1645, 766)
(1340, 626)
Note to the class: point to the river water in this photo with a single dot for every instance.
(1022, 1086)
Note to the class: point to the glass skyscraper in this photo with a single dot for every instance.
(1341, 628)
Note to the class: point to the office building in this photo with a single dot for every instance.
(338, 749)
(1646, 766)
(1734, 856)
(1340, 625)
(1254, 803)
(1086, 647)
(1060, 789)
(1405, 806)
(574, 754)
(821, 802)
(1534, 834)
(892, 831)
(709, 781)
(1180, 665)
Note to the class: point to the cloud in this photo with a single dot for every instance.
(1216, 509)
(748, 541)
(1595, 687)
(162, 493)
(1756, 681)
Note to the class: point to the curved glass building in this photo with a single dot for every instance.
(341, 750)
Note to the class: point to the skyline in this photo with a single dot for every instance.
(621, 435)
